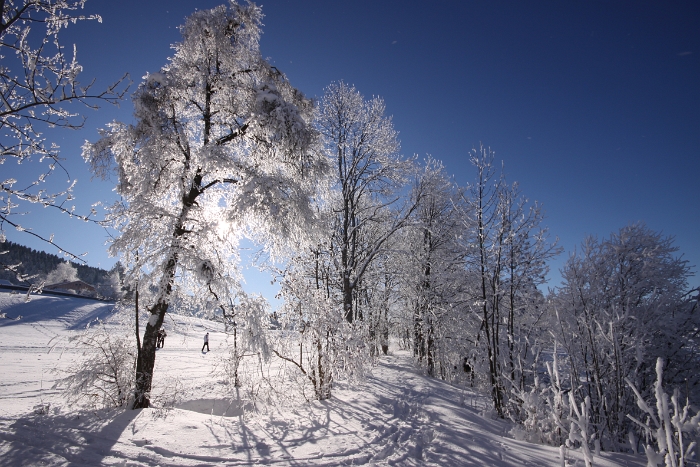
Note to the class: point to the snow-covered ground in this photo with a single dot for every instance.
(397, 417)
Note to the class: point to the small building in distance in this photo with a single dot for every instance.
(77, 287)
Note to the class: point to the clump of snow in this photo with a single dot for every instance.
(156, 79)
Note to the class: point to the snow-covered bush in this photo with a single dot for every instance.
(529, 411)
(672, 427)
(622, 305)
(579, 433)
(169, 394)
(104, 377)
(316, 340)
(543, 412)
(246, 324)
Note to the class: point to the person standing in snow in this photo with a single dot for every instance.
(158, 336)
(161, 337)
(206, 342)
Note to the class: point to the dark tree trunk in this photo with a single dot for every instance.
(430, 351)
(418, 339)
(347, 298)
(147, 357)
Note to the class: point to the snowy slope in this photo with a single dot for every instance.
(34, 340)
(398, 417)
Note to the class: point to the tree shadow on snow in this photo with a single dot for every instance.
(75, 439)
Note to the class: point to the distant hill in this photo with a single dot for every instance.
(40, 263)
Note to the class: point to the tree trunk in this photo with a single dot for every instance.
(418, 339)
(147, 357)
(347, 297)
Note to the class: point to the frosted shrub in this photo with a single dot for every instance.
(675, 432)
(623, 304)
(543, 412)
(104, 377)
(528, 409)
(579, 431)
(248, 375)
(256, 383)
(170, 393)
(316, 340)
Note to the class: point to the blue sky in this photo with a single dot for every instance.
(594, 106)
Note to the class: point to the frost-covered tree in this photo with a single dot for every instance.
(505, 252)
(111, 285)
(220, 148)
(623, 304)
(483, 242)
(432, 272)
(315, 338)
(39, 89)
(336, 292)
(363, 146)
(526, 250)
(64, 272)
(379, 289)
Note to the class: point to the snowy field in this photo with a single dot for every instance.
(397, 417)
